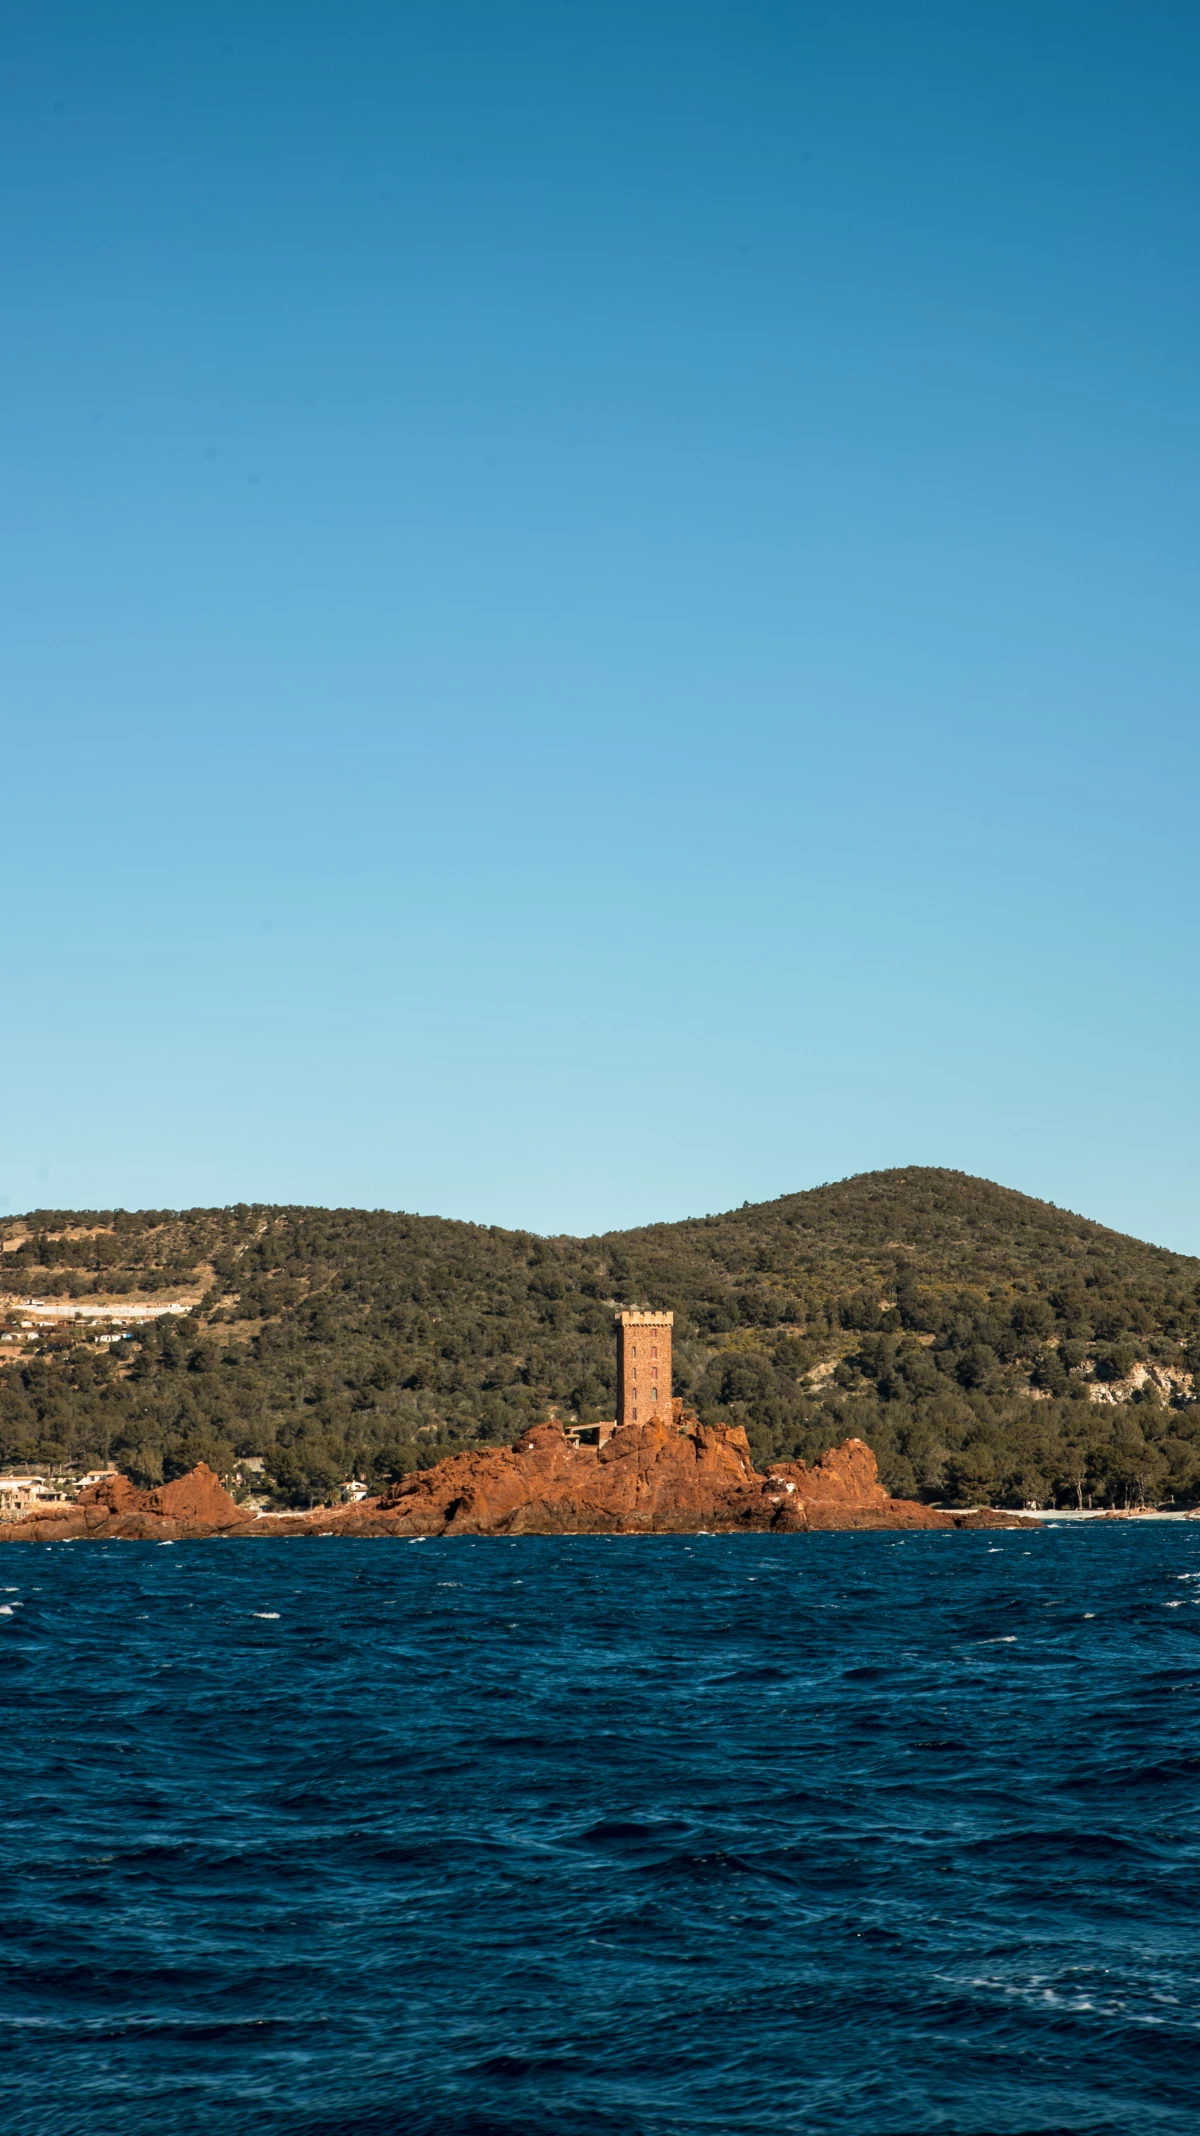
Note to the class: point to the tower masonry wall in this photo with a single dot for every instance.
(643, 1367)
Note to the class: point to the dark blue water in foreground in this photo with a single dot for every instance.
(851, 1833)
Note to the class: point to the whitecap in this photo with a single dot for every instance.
(264, 1613)
(5, 1610)
(1088, 1613)
(1172, 1605)
(1005, 1639)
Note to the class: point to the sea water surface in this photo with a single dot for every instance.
(679, 1836)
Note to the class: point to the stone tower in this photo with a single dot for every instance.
(643, 1367)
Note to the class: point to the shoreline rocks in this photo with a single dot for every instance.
(667, 1478)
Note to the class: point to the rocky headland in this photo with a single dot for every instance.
(666, 1478)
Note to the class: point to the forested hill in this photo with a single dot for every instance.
(963, 1329)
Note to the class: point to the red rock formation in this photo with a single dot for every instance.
(672, 1477)
(198, 1496)
(195, 1505)
(647, 1478)
(654, 1478)
(842, 1490)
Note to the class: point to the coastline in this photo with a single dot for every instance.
(682, 1477)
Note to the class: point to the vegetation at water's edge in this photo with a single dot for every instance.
(958, 1327)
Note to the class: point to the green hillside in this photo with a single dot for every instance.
(957, 1326)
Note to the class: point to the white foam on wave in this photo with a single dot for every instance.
(1004, 1639)
(1089, 1613)
(5, 1609)
(264, 1613)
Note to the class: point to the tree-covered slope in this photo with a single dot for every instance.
(961, 1328)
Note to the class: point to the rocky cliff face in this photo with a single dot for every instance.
(196, 1505)
(647, 1479)
(652, 1479)
(673, 1477)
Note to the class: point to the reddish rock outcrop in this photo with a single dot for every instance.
(842, 1490)
(195, 1505)
(673, 1477)
(647, 1479)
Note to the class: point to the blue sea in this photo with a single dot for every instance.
(682, 1836)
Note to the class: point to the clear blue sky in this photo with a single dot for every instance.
(599, 603)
